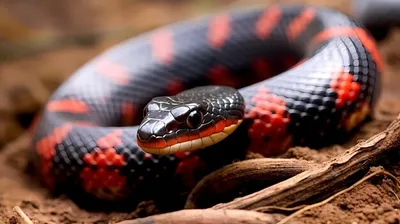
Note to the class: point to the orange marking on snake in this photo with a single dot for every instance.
(204, 132)
(207, 131)
(161, 143)
(146, 144)
(268, 21)
(128, 113)
(46, 149)
(115, 72)
(68, 105)
(110, 140)
(104, 158)
(300, 23)
(162, 46)
(268, 131)
(194, 135)
(347, 89)
(45, 146)
(182, 155)
(171, 141)
(219, 75)
(368, 42)
(262, 68)
(219, 126)
(219, 31)
(187, 168)
(102, 180)
(46, 167)
(175, 86)
(183, 138)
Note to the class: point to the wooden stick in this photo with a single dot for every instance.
(320, 181)
(223, 184)
(22, 214)
(202, 216)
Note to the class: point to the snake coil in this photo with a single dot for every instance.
(89, 135)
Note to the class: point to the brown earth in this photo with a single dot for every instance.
(27, 82)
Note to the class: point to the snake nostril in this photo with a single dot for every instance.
(172, 127)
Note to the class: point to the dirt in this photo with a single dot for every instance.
(26, 83)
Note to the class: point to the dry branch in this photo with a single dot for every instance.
(224, 183)
(201, 216)
(320, 180)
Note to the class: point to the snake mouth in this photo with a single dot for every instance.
(192, 144)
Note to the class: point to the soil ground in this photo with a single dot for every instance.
(26, 83)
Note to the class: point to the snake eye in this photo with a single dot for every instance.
(194, 119)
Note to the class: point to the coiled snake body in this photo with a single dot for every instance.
(88, 135)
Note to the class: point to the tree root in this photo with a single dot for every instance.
(222, 184)
(320, 180)
(201, 216)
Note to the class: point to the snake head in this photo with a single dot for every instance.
(193, 119)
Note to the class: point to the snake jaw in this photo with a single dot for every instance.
(191, 145)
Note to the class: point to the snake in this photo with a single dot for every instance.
(169, 105)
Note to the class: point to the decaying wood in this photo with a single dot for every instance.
(321, 179)
(201, 216)
(222, 185)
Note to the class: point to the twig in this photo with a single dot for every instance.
(244, 176)
(285, 220)
(323, 179)
(201, 216)
(394, 193)
(22, 214)
(271, 209)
